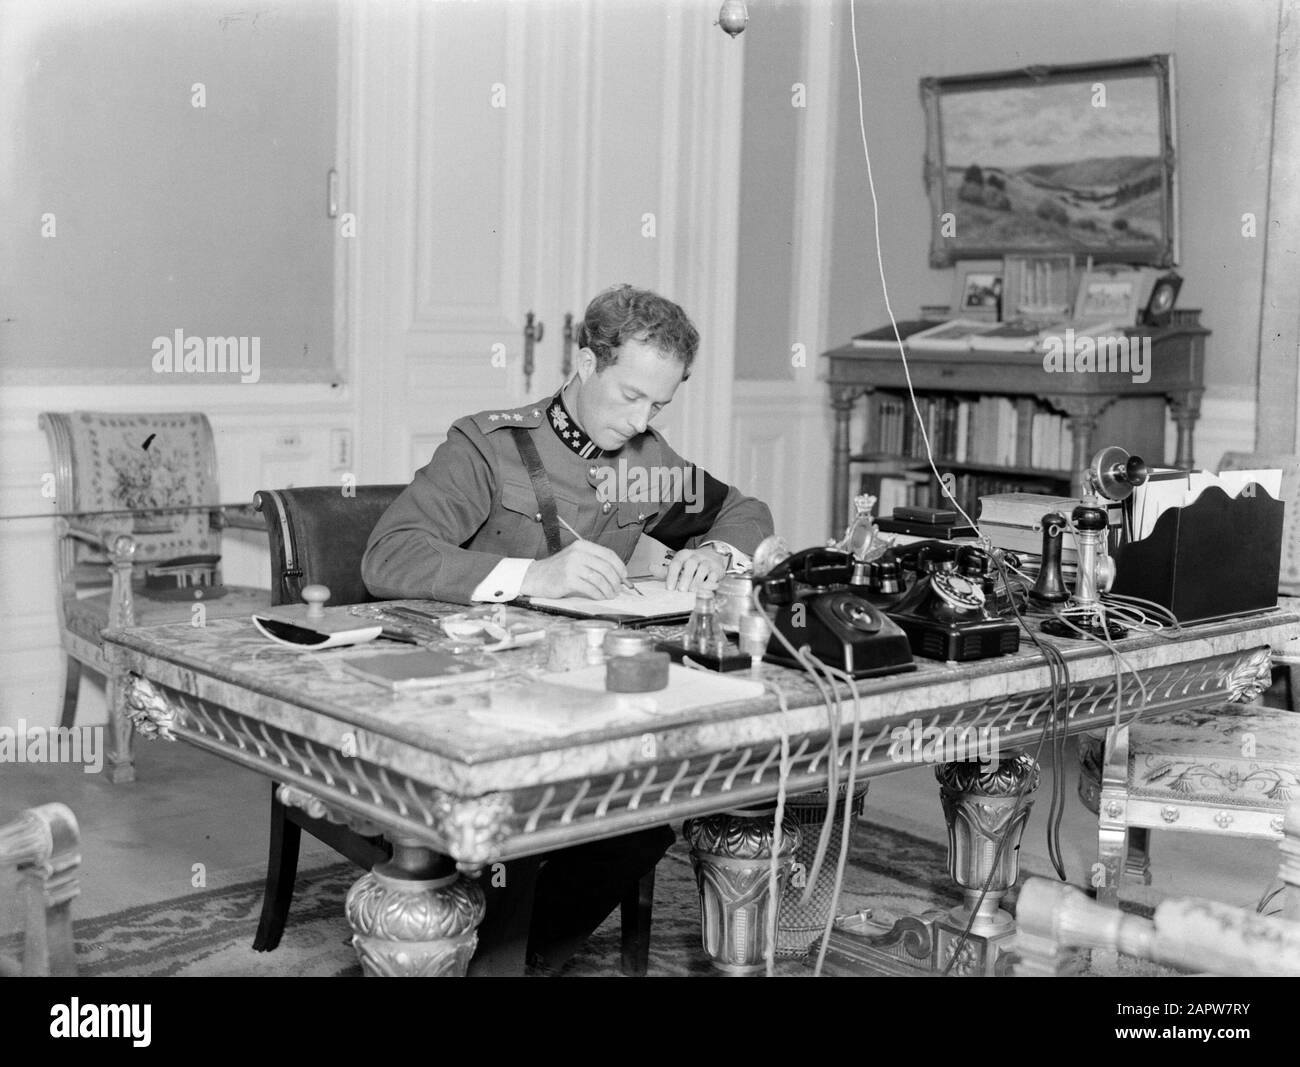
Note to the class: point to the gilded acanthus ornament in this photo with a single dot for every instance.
(474, 828)
(150, 712)
(738, 836)
(1250, 677)
(1002, 779)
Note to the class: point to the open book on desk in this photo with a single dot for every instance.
(654, 603)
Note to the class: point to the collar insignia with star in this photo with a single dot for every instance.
(567, 430)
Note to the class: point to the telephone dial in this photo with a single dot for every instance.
(945, 613)
(816, 605)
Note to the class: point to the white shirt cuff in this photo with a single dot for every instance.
(503, 581)
(740, 562)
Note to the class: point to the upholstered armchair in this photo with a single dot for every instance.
(139, 541)
(1228, 770)
(41, 849)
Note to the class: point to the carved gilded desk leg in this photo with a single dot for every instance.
(731, 853)
(415, 916)
(981, 802)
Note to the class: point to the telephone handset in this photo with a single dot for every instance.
(818, 567)
(817, 607)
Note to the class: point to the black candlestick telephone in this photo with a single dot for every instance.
(817, 606)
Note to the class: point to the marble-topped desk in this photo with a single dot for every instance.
(419, 766)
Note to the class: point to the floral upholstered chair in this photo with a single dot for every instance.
(139, 540)
(1230, 769)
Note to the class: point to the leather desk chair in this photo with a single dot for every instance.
(159, 473)
(42, 846)
(318, 537)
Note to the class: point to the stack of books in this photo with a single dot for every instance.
(1009, 521)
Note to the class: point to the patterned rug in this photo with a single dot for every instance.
(210, 933)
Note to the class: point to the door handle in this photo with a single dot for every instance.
(533, 330)
(566, 364)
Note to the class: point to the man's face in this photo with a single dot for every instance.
(616, 404)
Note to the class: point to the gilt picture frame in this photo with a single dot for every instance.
(1077, 159)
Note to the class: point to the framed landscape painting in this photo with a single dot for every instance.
(1075, 159)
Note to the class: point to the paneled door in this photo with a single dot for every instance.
(506, 158)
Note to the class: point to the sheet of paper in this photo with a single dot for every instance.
(657, 600)
(1177, 489)
(560, 703)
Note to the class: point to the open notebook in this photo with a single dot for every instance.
(658, 604)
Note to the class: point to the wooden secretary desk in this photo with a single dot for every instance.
(1101, 408)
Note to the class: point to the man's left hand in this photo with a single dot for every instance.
(694, 569)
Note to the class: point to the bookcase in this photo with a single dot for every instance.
(1000, 421)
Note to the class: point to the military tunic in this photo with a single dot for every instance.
(474, 504)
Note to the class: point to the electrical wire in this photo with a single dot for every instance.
(847, 822)
(833, 713)
(778, 834)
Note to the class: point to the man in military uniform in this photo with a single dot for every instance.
(481, 522)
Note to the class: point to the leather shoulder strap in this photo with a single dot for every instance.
(541, 486)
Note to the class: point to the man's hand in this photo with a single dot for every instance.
(584, 568)
(696, 568)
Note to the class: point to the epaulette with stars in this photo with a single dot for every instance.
(529, 416)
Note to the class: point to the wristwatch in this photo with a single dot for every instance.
(728, 553)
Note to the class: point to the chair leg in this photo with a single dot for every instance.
(1112, 819)
(1137, 864)
(281, 870)
(121, 760)
(71, 688)
(636, 914)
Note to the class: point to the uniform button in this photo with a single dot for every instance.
(641, 517)
(605, 507)
(499, 592)
(537, 517)
(593, 471)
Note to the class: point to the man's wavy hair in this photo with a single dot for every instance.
(623, 313)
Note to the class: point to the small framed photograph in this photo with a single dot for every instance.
(978, 294)
(1113, 296)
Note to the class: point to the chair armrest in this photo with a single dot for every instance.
(110, 538)
(239, 517)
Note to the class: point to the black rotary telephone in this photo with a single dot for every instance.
(816, 606)
(945, 613)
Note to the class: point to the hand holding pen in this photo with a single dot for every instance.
(624, 584)
(583, 568)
